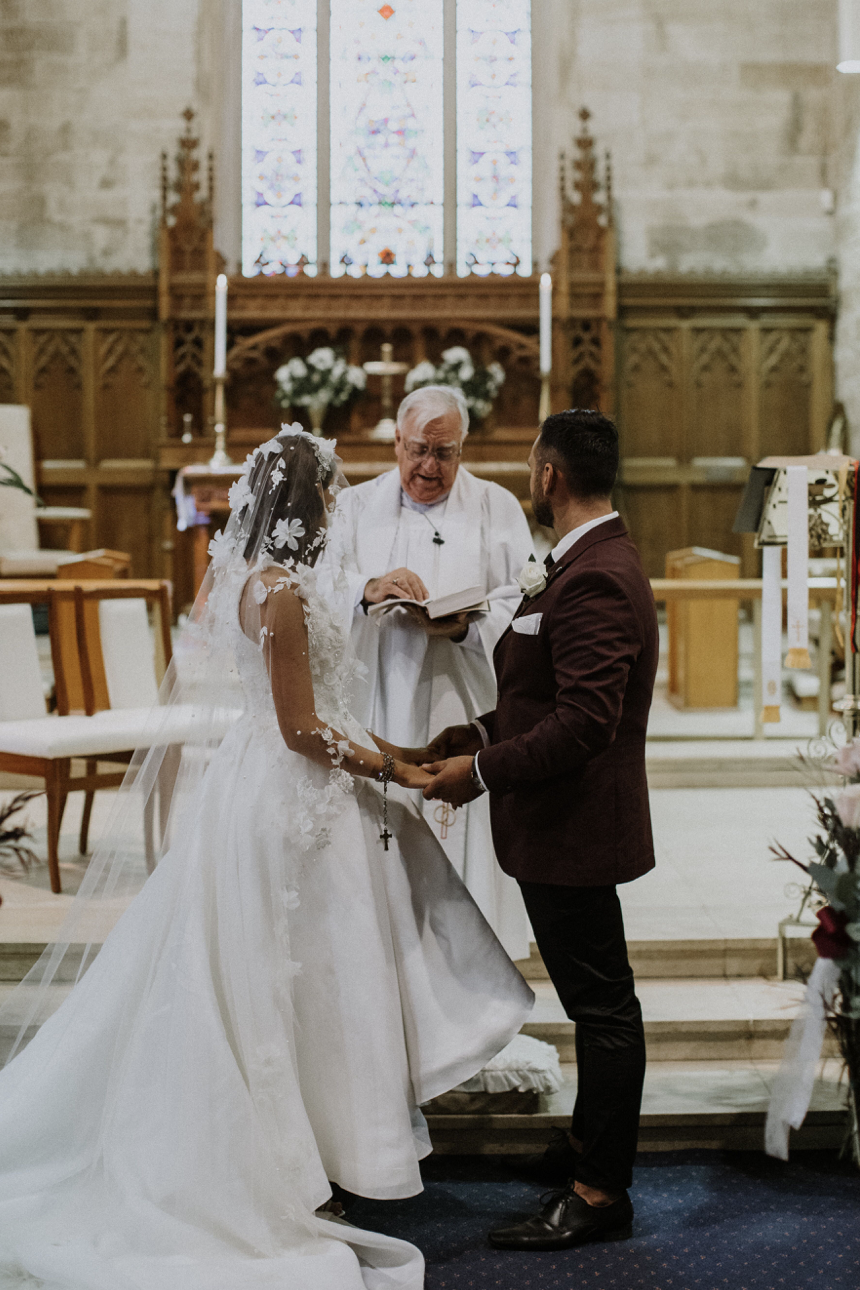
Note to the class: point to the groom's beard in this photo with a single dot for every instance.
(541, 508)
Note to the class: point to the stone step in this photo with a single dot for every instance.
(699, 959)
(698, 1020)
(708, 1104)
(727, 763)
(650, 960)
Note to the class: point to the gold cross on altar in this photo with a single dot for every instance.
(386, 368)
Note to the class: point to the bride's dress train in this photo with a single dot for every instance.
(265, 1016)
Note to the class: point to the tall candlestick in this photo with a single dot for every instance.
(545, 323)
(220, 325)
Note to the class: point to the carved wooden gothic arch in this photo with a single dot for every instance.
(584, 281)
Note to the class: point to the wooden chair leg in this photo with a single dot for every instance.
(89, 797)
(54, 783)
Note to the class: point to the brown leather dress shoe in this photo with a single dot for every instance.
(568, 1220)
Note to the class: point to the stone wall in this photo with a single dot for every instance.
(717, 113)
(847, 181)
(86, 104)
(718, 117)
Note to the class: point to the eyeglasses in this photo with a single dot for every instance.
(418, 451)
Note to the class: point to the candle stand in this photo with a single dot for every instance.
(220, 456)
(545, 395)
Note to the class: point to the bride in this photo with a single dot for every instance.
(302, 970)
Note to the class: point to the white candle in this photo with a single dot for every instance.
(545, 323)
(220, 325)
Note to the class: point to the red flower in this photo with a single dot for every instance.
(830, 937)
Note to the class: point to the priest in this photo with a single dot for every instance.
(429, 528)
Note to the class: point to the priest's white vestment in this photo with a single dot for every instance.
(417, 684)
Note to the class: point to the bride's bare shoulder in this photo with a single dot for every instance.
(269, 595)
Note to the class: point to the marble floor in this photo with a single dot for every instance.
(714, 877)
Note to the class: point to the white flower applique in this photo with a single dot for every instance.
(260, 591)
(221, 548)
(287, 533)
(264, 632)
(277, 476)
(240, 493)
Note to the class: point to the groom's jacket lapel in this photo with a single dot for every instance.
(600, 533)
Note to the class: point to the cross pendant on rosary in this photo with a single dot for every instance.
(385, 835)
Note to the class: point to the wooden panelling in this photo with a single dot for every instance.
(56, 366)
(8, 364)
(697, 387)
(124, 519)
(718, 393)
(126, 395)
(712, 514)
(651, 398)
(786, 391)
(655, 520)
(714, 376)
(83, 352)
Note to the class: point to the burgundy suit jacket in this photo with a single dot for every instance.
(565, 766)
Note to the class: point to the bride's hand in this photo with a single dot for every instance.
(409, 776)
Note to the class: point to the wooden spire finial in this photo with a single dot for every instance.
(189, 218)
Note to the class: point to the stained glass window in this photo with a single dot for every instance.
(279, 136)
(387, 161)
(387, 140)
(494, 136)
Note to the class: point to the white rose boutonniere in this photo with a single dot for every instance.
(532, 578)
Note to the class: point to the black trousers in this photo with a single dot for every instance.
(580, 934)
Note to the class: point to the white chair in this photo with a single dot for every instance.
(33, 743)
(21, 553)
(119, 668)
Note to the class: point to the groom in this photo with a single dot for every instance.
(563, 759)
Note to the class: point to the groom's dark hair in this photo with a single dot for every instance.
(583, 445)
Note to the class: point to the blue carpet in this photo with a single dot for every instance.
(704, 1219)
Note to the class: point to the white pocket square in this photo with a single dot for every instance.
(527, 626)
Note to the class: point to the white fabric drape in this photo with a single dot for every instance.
(771, 631)
(798, 567)
(792, 1088)
(416, 685)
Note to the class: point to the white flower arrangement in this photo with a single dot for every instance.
(325, 379)
(479, 384)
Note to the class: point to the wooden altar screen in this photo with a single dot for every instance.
(700, 372)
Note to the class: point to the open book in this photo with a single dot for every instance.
(470, 600)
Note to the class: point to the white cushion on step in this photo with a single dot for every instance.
(525, 1064)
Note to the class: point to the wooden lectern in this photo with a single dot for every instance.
(703, 634)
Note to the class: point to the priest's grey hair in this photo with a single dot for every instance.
(434, 401)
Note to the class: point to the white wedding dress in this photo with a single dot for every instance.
(266, 1015)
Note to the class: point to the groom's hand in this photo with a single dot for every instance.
(454, 741)
(452, 782)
